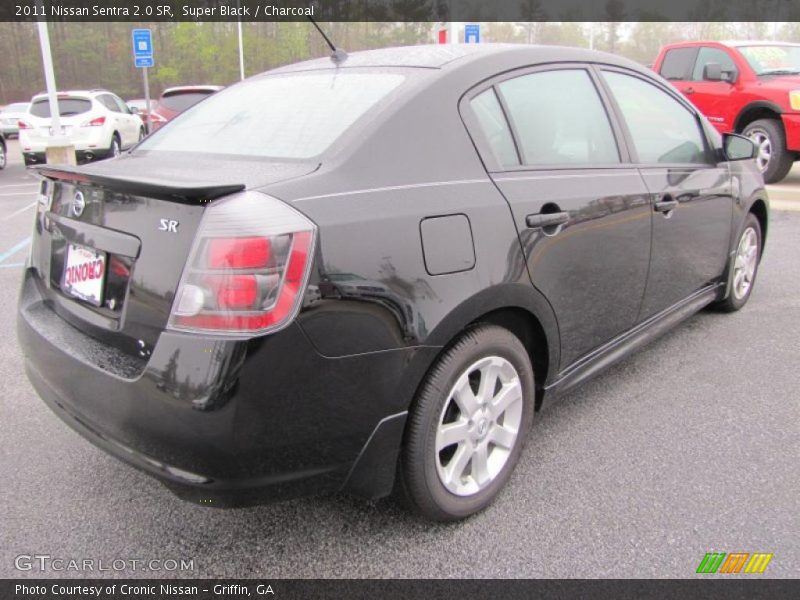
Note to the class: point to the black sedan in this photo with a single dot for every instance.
(375, 284)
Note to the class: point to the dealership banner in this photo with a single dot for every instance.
(407, 589)
(401, 10)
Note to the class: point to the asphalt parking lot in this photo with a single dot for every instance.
(690, 446)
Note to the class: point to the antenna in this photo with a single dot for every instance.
(338, 56)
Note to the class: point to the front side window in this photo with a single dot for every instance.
(294, 116)
(713, 55)
(662, 129)
(495, 127)
(559, 119)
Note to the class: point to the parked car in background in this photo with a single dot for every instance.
(3, 151)
(175, 100)
(97, 122)
(375, 283)
(746, 87)
(140, 107)
(10, 116)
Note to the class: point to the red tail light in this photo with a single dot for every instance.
(99, 121)
(238, 253)
(24, 125)
(248, 268)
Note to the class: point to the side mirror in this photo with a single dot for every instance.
(712, 72)
(738, 147)
(133, 110)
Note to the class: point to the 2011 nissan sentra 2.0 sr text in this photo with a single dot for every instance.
(368, 274)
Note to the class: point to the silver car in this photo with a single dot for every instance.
(10, 116)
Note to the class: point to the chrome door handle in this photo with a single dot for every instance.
(666, 204)
(547, 220)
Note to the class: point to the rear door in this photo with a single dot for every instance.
(129, 122)
(692, 199)
(581, 210)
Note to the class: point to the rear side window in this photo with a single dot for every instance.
(67, 107)
(180, 101)
(713, 55)
(678, 63)
(107, 101)
(495, 127)
(559, 119)
(292, 116)
(662, 129)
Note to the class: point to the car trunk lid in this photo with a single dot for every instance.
(131, 222)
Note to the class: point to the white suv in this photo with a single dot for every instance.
(97, 122)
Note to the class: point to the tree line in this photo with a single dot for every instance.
(98, 55)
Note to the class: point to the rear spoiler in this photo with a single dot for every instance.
(194, 192)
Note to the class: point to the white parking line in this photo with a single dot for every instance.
(33, 184)
(12, 265)
(15, 248)
(18, 194)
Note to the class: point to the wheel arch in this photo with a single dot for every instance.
(760, 109)
(522, 310)
(759, 209)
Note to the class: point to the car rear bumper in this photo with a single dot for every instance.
(223, 423)
(81, 156)
(791, 125)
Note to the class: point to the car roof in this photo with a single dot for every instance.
(450, 56)
(737, 43)
(76, 93)
(729, 43)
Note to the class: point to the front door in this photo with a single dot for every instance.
(692, 204)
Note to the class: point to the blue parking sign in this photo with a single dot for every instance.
(142, 44)
(472, 34)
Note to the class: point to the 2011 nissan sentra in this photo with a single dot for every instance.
(369, 273)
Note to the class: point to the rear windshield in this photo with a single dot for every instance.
(180, 101)
(67, 107)
(292, 116)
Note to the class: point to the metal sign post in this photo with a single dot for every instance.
(143, 59)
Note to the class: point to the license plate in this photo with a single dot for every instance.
(84, 274)
(51, 131)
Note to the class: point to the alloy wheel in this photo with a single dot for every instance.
(744, 266)
(478, 426)
(763, 148)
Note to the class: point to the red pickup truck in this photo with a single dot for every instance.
(752, 88)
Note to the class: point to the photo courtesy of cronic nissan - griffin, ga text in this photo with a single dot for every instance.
(374, 285)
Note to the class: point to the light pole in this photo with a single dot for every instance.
(58, 149)
(241, 46)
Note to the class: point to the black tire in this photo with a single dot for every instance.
(419, 481)
(142, 134)
(735, 301)
(28, 161)
(781, 160)
(116, 146)
(3, 156)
